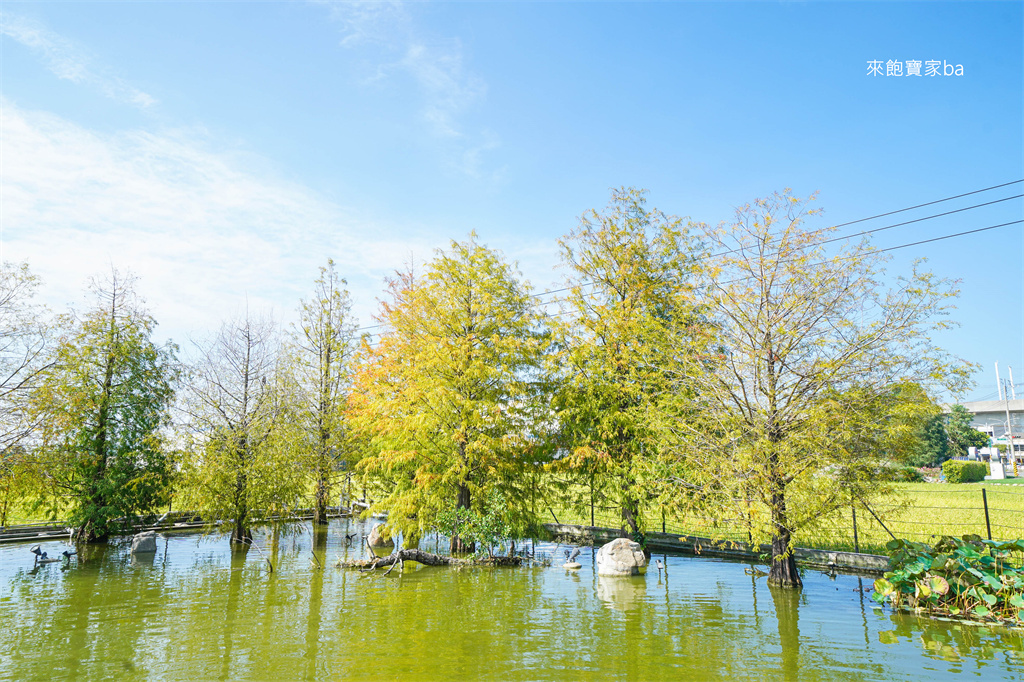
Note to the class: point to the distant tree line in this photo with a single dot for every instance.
(742, 370)
(944, 436)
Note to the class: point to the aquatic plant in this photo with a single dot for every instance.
(956, 577)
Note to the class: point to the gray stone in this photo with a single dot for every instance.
(621, 557)
(143, 543)
(377, 540)
(573, 565)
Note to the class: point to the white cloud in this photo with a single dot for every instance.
(204, 231)
(68, 61)
(447, 90)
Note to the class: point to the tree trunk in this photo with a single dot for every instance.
(631, 512)
(462, 502)
(631, 518)
(241, 533)
(783, 571)
(97, 527)
(322, 492)
(323, 458)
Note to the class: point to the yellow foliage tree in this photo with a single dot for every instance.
(449, 398)
(805, 400)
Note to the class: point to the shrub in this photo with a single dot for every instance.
(960, 471)
(907, 474)
(900, 473)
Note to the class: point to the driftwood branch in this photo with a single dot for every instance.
(253, 544)
(427, 559)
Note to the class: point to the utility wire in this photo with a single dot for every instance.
(877, 229)
(840, 238)
(937, 201)
(865, 232)
(891, 248)
(950, 236)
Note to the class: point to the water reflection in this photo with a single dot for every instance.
(622, 593)
(956, 643)
(204, 609)
(144, 559)
(316, 589)
(787, 612)
(239, 554)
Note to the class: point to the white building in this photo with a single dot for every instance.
(989, 417)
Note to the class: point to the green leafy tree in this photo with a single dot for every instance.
(321, 352)
(448, 399)
(104, 406)
(931, 446)
(244, 438)
(915, 427)
(799, 411)
(627, 322)
(486, 530)
(961, 434)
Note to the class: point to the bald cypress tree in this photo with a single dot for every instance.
(448, 398)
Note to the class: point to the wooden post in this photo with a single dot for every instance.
(988, 524)
(853, 508)
(591, 499)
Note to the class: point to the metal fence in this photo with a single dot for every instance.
(915, 512)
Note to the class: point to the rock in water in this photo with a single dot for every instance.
(621, 556)
(572, 565)
(377, 540)
(144, 543)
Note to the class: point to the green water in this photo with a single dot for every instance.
(197, 611)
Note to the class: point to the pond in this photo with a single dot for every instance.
(196, 610)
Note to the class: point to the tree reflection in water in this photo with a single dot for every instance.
(787, 611)
(207, 609)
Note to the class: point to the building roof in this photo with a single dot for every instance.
(979, 406)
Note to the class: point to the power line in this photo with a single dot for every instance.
(835, 239)
(891, 248)
(858, 234)
(937, 201)
(889, 227)
(866, 232)
(950, 236)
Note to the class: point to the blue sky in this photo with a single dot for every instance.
(223, 150)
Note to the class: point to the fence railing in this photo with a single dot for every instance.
(914, 512)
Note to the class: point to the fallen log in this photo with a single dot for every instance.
(427, 559)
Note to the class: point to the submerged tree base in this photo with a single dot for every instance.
(428, 559)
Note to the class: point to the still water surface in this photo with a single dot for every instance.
(198, 611)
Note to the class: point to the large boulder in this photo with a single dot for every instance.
(144, 543)
(380, 538)
(621, 557)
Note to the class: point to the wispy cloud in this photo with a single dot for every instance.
(203, 229)
(447, 90)
(70, 62)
